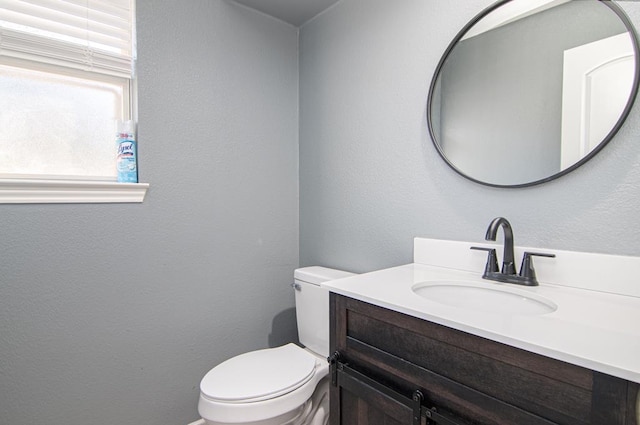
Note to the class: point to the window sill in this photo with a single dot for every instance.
(23, 191)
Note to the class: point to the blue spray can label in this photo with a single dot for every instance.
(126, 162)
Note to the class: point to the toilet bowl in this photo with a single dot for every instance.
(286, 385)
(267, 387)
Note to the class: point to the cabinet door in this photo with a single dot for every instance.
(355, 401)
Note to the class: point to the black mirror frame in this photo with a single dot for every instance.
(634, 91)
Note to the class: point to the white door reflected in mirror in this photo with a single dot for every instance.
(597, 81)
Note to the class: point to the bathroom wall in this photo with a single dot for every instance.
(370, 178)
(111, 314)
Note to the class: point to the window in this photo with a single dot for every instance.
(66, 70)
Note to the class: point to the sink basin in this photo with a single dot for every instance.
(473, 296)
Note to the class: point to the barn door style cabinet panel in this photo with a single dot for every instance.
(390, 368)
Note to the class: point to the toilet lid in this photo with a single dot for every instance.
(259, 375)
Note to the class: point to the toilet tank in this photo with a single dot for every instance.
(312, 306)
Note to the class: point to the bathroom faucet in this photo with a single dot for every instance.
(527, 275)
(508, 266)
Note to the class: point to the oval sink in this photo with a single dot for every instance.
(471, 296)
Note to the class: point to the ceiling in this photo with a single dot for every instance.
(295, 12)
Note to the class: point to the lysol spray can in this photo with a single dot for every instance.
(126, 161)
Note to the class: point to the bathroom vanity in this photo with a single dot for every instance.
(385, 356)
(406, 357)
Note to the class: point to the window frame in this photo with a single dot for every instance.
(29, 189)
(42, 191)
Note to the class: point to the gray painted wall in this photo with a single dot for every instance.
(370, 178)
(517, 70)
(111, 314)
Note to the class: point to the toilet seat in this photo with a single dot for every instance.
(259, 375)
(239, 390)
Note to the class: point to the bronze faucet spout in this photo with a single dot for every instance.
(508, 264)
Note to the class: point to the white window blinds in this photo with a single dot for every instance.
(90, 35)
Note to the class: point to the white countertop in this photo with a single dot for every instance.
(596, 330)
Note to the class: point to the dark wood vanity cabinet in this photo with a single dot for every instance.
(391, 368)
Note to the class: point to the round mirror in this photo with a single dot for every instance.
(530, 90)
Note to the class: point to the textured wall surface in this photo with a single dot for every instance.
(370, 178)
(111, 314)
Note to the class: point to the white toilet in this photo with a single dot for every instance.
(286, 385)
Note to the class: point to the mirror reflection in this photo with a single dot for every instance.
(533, 89)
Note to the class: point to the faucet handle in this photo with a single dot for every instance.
(526, 269)
(492, 259)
